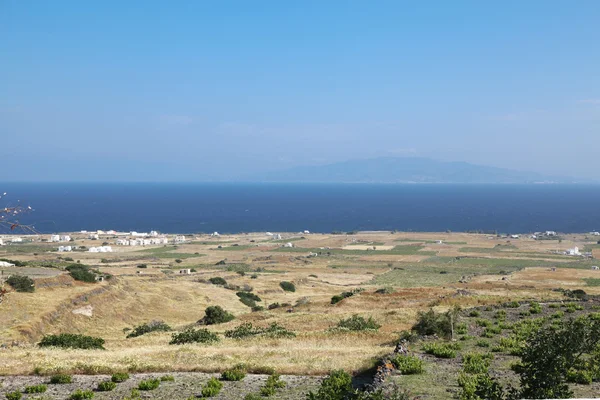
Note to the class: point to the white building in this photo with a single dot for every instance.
(269, 234)
(153, 233)
(6, 264)
(595, 267)
(550, 233)
(122, 242)
(214, 234)
(595, 233)
(277, 237)
(288, 245)
(54, 238)
(515, 236)
(64, 248)
(65, 238)
(93, 236)
(16, 240)
(181, 238)
(101, 249)
(306, 232)
(573, 252)
(1, 242)
(186, 271)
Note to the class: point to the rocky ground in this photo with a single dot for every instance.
(186, 385)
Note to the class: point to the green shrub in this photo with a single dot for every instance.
(287, 286)
(271, 385)
(247, 330)
(253, 396)
(474, 313)
(20, 283)
(482, 343)
(153, 326)
(358, 323)
(535, 308)
(81, 272)
(217, 280)
(337, 386)
(81, 395)
(233, 374)
(408, 365)
(149, 384)
(432, 323)
(142, 265)
(16, 395)
(248, 299)
(511, 304)
(216, 315)
(167, 378)
(211, 388)
(119, 377)
(500, 315)
(72, 341)
(339, 297)
(461, 329)
(385, 290)
(579, 376)
(483, 322)
(106, 386)
(36, 389)
(60, 379)
(476, 363)
(194, 336)
(441, 350)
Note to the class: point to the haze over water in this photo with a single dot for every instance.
(229, 208)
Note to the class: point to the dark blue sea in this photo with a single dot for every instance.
(229, 208)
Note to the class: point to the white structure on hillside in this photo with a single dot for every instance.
(269, 234)
(6, 264)
(65, 238)
(595, 233)
(595, 267)
(64, 248)
(94, 236)
(550, 233)
(573, 252)
(186, 271)
(306, 232)
(288, 245)
(16, 240)
(515, 236)
(277, 237)
(181, 239)
(1, 242)
(215, 234)
(101, 249)
(154, 233)
(54, 238)
(142, 241)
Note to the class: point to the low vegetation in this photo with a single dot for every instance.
(211, 388)
(81, 395)
(216, 315)
(287, 286)
(20, 283)
(247, 330)
(153, 326)
(61, 379)
(72, 341)
(194, 336)
(149, 384)
(234, 374)
(81, 272)
(357, 323)
(106, 386)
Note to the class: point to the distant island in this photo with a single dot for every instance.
(407, 170)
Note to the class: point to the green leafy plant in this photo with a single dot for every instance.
(81, 272)
(72, 341)
(287, 286)
(16, 395)
(81, 395)
(153, 326)
(119, 377)
(106, 386)
(441, 350)
(408, 365)
(271, 385)
(20, 283)
(36, 389)
(149, 384)
(167, 378)
(337, 386)
(358, 323)
(234, 374)
(216, 315)
(217, 280)
(61, 379)
(194, 336)
(211, 388)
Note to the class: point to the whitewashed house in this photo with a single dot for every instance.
(65, 238)
(180, 239)
(215, 234)
(93, 236)
(269, 234)
(153, 233)
(54, 238)
(595, 233)
(277, 237)
(122, 242)
(100, 249)
(288, 245)
(6, 264)
(1, 242)
(306, 232)
(515, 236)
(550, 233)
(573, 252)
(186, 271)
(65, 248)
(16, 240)
(595, 267)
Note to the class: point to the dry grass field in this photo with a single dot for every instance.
(417, 271)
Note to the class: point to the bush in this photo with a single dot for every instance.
(72, 341)
(432, 323)
(154, 326)
(482, 343)
(36, 389)
(271, 385)
(248, 330)
(441, 350)
(233, 374)
(253, 396)
(217, 280)
(149, 384)
(60, 379)
(119, 377)
(215, 315)
(81, 395)
(194, 336)
(339, 297)
(337, 386)
(142, 265)
(535, 308)
(476, 363)
(81, 272)
(461, 329)
(167, 378)
(23, 284)
(287, 286)
(474, 313)
(248, 299)
(357, 323)
(106, 386)
(511, 304)
(408, 365)
(211, 388)
(16, 395)
(579, 376)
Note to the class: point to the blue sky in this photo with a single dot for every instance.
(200, 90)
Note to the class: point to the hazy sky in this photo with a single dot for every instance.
(197, 90)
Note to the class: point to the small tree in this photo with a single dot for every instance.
(21, 283)
(216, 315)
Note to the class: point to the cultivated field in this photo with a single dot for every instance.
(388, 277)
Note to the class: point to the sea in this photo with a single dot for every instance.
(259, 207)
